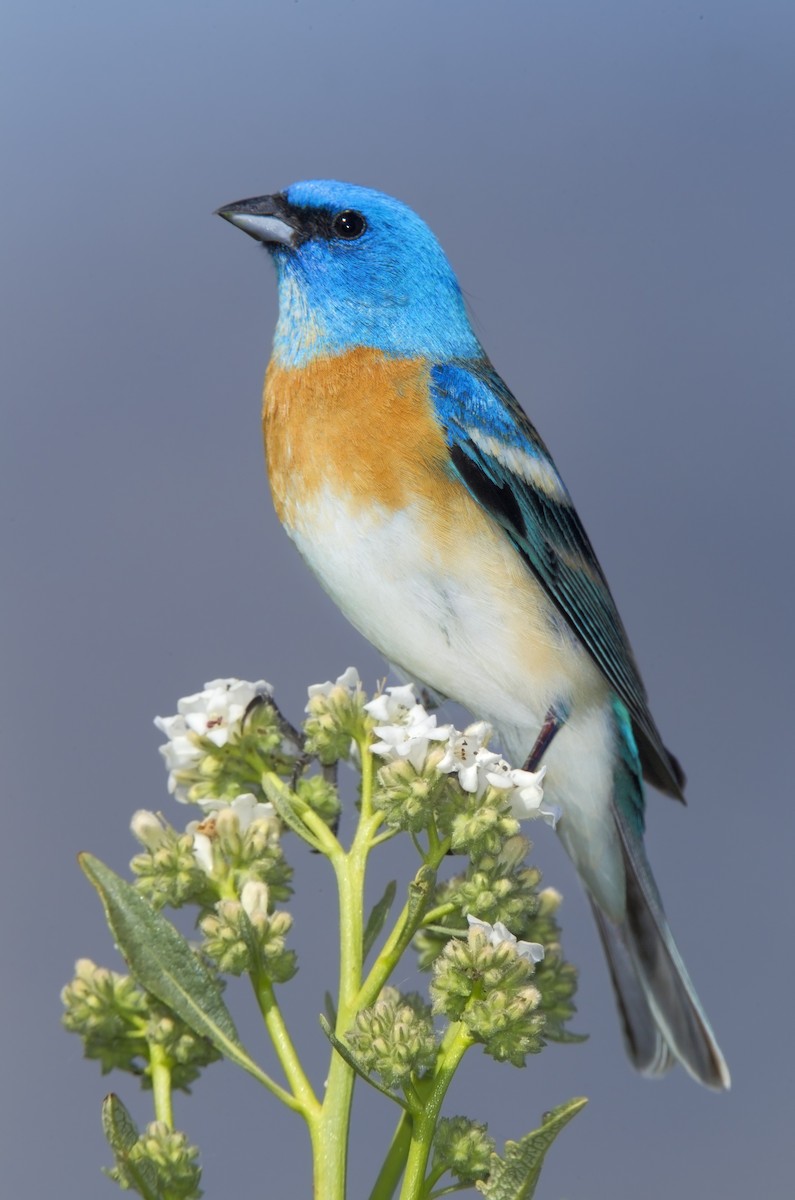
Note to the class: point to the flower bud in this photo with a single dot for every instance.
(394, 1037)
(169, 1158)
(335, 718)
(485, 983)
(254, 898)
(464, 1148)
(150, 830)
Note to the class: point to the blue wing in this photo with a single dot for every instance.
(503, 463)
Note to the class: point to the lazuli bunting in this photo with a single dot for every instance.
(429, 508)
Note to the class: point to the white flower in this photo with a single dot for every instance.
(245, 807)
(213, 713)
(180, 753)
(202, 847)
(462, 751)
(242, 811)
(393, 705)
(495, 770)
(499, 935)
(254, 898)
(411, 737)
(149, 829)
(349, 680)
(527, 797)
(479, 768)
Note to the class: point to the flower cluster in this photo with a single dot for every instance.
(408, 733)
(162, 1159)
(395, 1037)
(244, 935)
(463, 1147)
(485, 982)
(120, 1023)
(222, 739)
(237, 841)
(335, 717)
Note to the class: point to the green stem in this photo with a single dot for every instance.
(388, 1179)
(436, 914)
(454, 1046)
(307, 1102)
(368, 777)
(330, 1133)
(160, 1072)
(407, 924)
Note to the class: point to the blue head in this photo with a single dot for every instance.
(355, 268)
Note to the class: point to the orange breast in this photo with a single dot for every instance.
(360, 424)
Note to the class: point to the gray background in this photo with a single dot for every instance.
(614, 184)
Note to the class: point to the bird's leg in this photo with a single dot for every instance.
(555, 718)
(288, 731)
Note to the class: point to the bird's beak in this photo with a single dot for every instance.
(266, 218)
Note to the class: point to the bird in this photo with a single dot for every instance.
(421, 496)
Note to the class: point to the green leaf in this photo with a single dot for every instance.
(122, 1134)
(515, 1176)
(331, 1009)
(117, 1125)
(377, 918)
(345, 1052)
(162, 962)
(282, 800)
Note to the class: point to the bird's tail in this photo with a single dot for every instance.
(661, 1014)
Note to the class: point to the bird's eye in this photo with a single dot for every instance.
(349, 224)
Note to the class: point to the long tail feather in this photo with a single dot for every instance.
(647, 945)
(646, 1047)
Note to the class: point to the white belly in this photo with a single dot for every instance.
(465, 617)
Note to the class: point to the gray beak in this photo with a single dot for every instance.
(266, 218)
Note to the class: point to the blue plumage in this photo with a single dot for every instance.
(351, 293)
(535, 509)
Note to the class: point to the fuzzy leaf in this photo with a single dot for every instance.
(515, 1176)
(283, 801)
(122, 1134)
(163, 963)
(378, 915)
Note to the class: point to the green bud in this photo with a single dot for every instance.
(556, 980)
(187, 1052)
(464, 1148)
(336, 719)
(251, 853)
(234, 925)
(110, 1013)
(224, 942)
(395, 1037)
(169, 1155)
(409, 799)
(494, 887)
(483, 827)
(322, 797)
(119, 1022)
(499, 887)
(507, 1024)
(168, 873)
(488, 988)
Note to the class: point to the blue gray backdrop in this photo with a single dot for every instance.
(614, 184)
